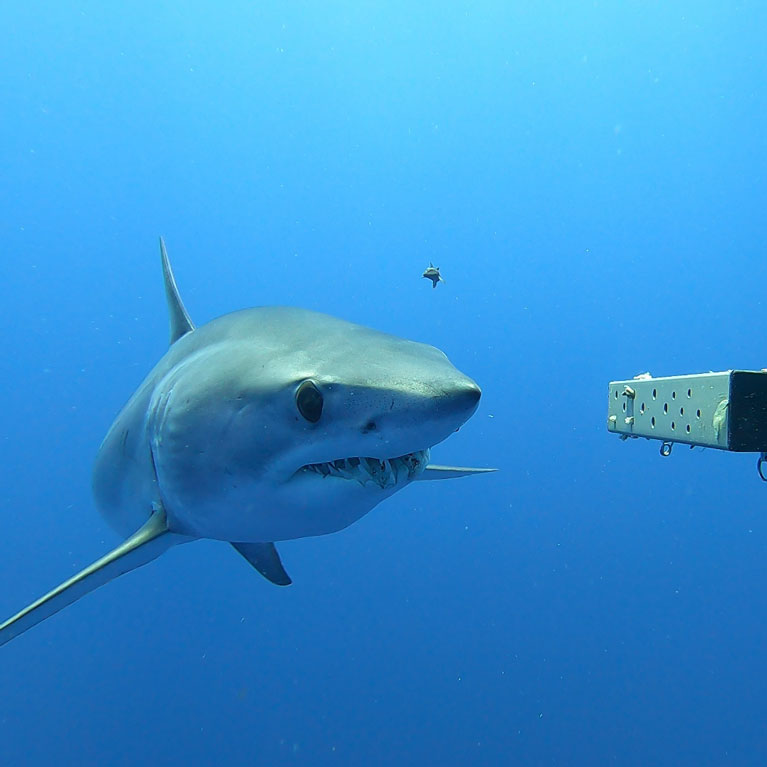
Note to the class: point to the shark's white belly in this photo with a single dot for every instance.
(259, 513)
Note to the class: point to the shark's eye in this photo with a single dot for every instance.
(309, 401)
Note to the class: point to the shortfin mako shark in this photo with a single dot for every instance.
(264, 425)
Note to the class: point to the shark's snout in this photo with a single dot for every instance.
(459, 399)
(466, 395)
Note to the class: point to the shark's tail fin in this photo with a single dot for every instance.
(143, 546)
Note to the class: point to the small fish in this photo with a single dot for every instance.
(432, 273)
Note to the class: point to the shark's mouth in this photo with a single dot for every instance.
(385, 473)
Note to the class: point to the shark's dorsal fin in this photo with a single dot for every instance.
(433, 471)
(180, 322)
(265, 558)
(142, 547)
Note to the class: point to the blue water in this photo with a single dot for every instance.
(591, 179)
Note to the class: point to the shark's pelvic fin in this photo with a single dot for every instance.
(143, 546)
(180, 322)
(265, 558)
(433, 471)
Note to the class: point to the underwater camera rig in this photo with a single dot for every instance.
(726, 411)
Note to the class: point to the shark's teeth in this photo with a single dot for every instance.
(386, 472)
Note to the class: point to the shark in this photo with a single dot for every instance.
(264, 425)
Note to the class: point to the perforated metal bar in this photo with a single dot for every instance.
(727, 410)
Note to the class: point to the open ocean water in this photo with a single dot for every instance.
(591, 179)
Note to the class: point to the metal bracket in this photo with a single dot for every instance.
(727, 410)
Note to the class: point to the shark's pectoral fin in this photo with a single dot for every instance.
(143, 546)
(265, 558)
(433, 471)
